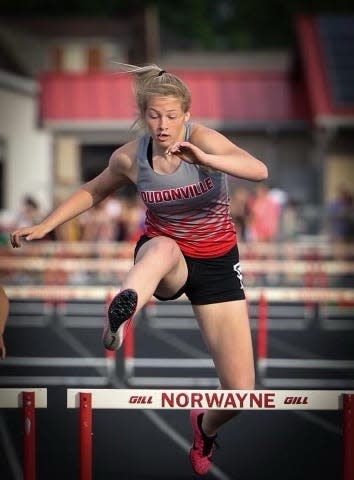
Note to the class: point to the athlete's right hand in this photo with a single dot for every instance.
(35, 232)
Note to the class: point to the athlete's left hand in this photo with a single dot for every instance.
(187, 152)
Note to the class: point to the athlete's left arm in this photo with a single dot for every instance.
(213, 150)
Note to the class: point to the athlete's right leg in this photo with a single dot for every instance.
(159, 268)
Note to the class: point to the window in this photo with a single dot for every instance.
(57, 59)
(94, 59)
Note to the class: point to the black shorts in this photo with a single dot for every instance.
(210, 280)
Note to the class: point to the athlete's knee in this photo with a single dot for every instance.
(165, 248)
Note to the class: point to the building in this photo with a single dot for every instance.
(293, 109)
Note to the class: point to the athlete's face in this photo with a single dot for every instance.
(165, 120)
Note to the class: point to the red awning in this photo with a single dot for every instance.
(223, 96)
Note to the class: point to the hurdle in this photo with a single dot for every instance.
(261, 295)
(254, 294)
(28, 399)
(301, 248)
(88, 400)
(104, 365)
(264, 362)
(99, 293)
(57, 269)
(55, 296)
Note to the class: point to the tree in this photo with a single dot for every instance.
(205, 24)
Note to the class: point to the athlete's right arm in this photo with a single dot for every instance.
(113, 177)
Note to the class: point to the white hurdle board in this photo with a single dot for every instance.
(12, 397)
(210, 399)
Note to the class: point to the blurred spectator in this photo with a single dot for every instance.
(113, 206)
(29, 212)
(240, 211)
(96, 224)
(291, 223)
(68, 232)
(340, 216)
(264, 215)
(7, 222)
(99, 223)
(103, 221)
(279, 196)
(132, 218)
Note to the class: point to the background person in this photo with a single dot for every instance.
(240, 211)
(264, 215)
(189, 243)
(340, 216)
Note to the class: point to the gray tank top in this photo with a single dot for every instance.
(190, 205)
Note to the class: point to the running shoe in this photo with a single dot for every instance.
(203, 446)
(119, 316)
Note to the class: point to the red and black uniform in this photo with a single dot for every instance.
(191, 206)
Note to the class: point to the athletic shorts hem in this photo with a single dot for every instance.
(236, 296)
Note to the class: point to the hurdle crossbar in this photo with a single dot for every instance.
(307, 363)
(295, 267)
(56, 362)
(178, 399)
(99, 293)
(105, 364)
(86, 400)
(312, 248)
(172, 362)
(28, 399)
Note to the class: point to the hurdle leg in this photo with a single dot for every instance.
(348, 437)
(128, 352)
(262, 336)
(85, 436)
(29, 436)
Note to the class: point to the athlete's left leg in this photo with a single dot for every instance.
(226, 332)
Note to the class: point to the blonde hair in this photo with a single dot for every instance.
(151, 80)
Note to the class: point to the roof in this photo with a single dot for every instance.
(227, 99)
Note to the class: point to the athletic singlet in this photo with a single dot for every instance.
(190, 205)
